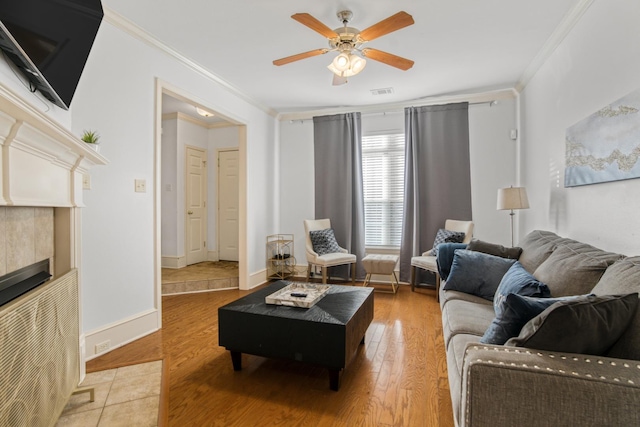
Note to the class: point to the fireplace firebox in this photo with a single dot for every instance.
(21, 281)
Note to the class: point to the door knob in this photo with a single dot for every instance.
(190, 212)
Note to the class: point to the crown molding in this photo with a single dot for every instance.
(569, 20)
(472, 98)
(122, 23)
(195, 121)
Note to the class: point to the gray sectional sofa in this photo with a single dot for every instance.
(504, 385)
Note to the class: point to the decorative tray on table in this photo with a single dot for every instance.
(303, 295)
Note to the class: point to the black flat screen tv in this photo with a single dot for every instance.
(49, 41)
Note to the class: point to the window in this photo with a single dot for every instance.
(383, 179)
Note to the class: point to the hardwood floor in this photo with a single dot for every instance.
(398, 378)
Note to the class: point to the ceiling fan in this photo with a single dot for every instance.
(348, 42)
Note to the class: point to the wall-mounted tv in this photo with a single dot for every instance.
(49, 41)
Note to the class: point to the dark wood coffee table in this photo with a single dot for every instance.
(327, 334)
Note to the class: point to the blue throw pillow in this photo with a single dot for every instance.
(519, 281)
(444, 259)
(324, 241)
(516, 311)
(477, 273)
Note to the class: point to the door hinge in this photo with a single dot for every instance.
(204, 204)
(204, 163)
(204, 243)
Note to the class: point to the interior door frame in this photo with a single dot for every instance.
(163, 87)
(218, 198)
(206, 206)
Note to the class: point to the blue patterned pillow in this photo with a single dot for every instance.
(519, 281)
(516, 311)
(477, 273)
(324, 241)
(446, 236)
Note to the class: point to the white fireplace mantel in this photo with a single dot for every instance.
(41, 162)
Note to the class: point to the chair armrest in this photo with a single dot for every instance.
(343, 250)
(428, 253)
(520, 386)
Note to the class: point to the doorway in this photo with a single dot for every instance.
(199, 231)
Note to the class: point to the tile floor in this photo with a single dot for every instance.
(127, 396)
(199, 277)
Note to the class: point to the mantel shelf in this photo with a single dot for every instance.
(41, 162)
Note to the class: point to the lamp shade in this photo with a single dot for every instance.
(512, 198)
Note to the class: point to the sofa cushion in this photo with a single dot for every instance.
(464, 317)
(574, 269)
(446, 236)
(588, 324)
(620, 278)
(515, 312)
(536, 247)
(324, 241)
(446, 296)
(494, 249)
(519, 281)
(477, 273)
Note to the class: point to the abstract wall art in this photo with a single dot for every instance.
(606, 145)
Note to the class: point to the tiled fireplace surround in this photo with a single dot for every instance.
(26, 237)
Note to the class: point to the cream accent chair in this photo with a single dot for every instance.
(326, 260)
(428, 261)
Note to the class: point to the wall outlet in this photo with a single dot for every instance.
(103, 346)
(141, 186)
(86, 181)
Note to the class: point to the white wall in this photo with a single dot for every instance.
(493, 160)
(597, 63)
(169, 188)
(493, 165)
(116, 96)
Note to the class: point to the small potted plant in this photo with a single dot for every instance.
(92, 138)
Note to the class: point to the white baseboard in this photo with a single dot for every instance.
(258, 278)
(173, 261)
(213, 256)
(121, 333)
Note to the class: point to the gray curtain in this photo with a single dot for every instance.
(338, 182)
(437, 178)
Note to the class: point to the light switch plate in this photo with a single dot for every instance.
(141, 186)
(86, 181)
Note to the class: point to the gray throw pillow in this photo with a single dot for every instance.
(588, 324)
(476, 273)
(494, 249)
(324, 241)
(446, 236)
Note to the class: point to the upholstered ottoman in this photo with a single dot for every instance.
(381, 264)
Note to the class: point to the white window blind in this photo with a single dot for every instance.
(383, 179)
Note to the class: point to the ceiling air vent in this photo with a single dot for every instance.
(383, 91)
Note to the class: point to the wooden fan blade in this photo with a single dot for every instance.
(388, 58)
(315, 25)
(298, 57)
(386, 26)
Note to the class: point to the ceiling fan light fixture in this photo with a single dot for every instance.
(357, 63)
(204, 113)
(341, 62)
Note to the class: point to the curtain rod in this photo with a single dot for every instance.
(384, 113)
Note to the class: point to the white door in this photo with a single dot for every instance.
(228, 195)
(196, 205)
